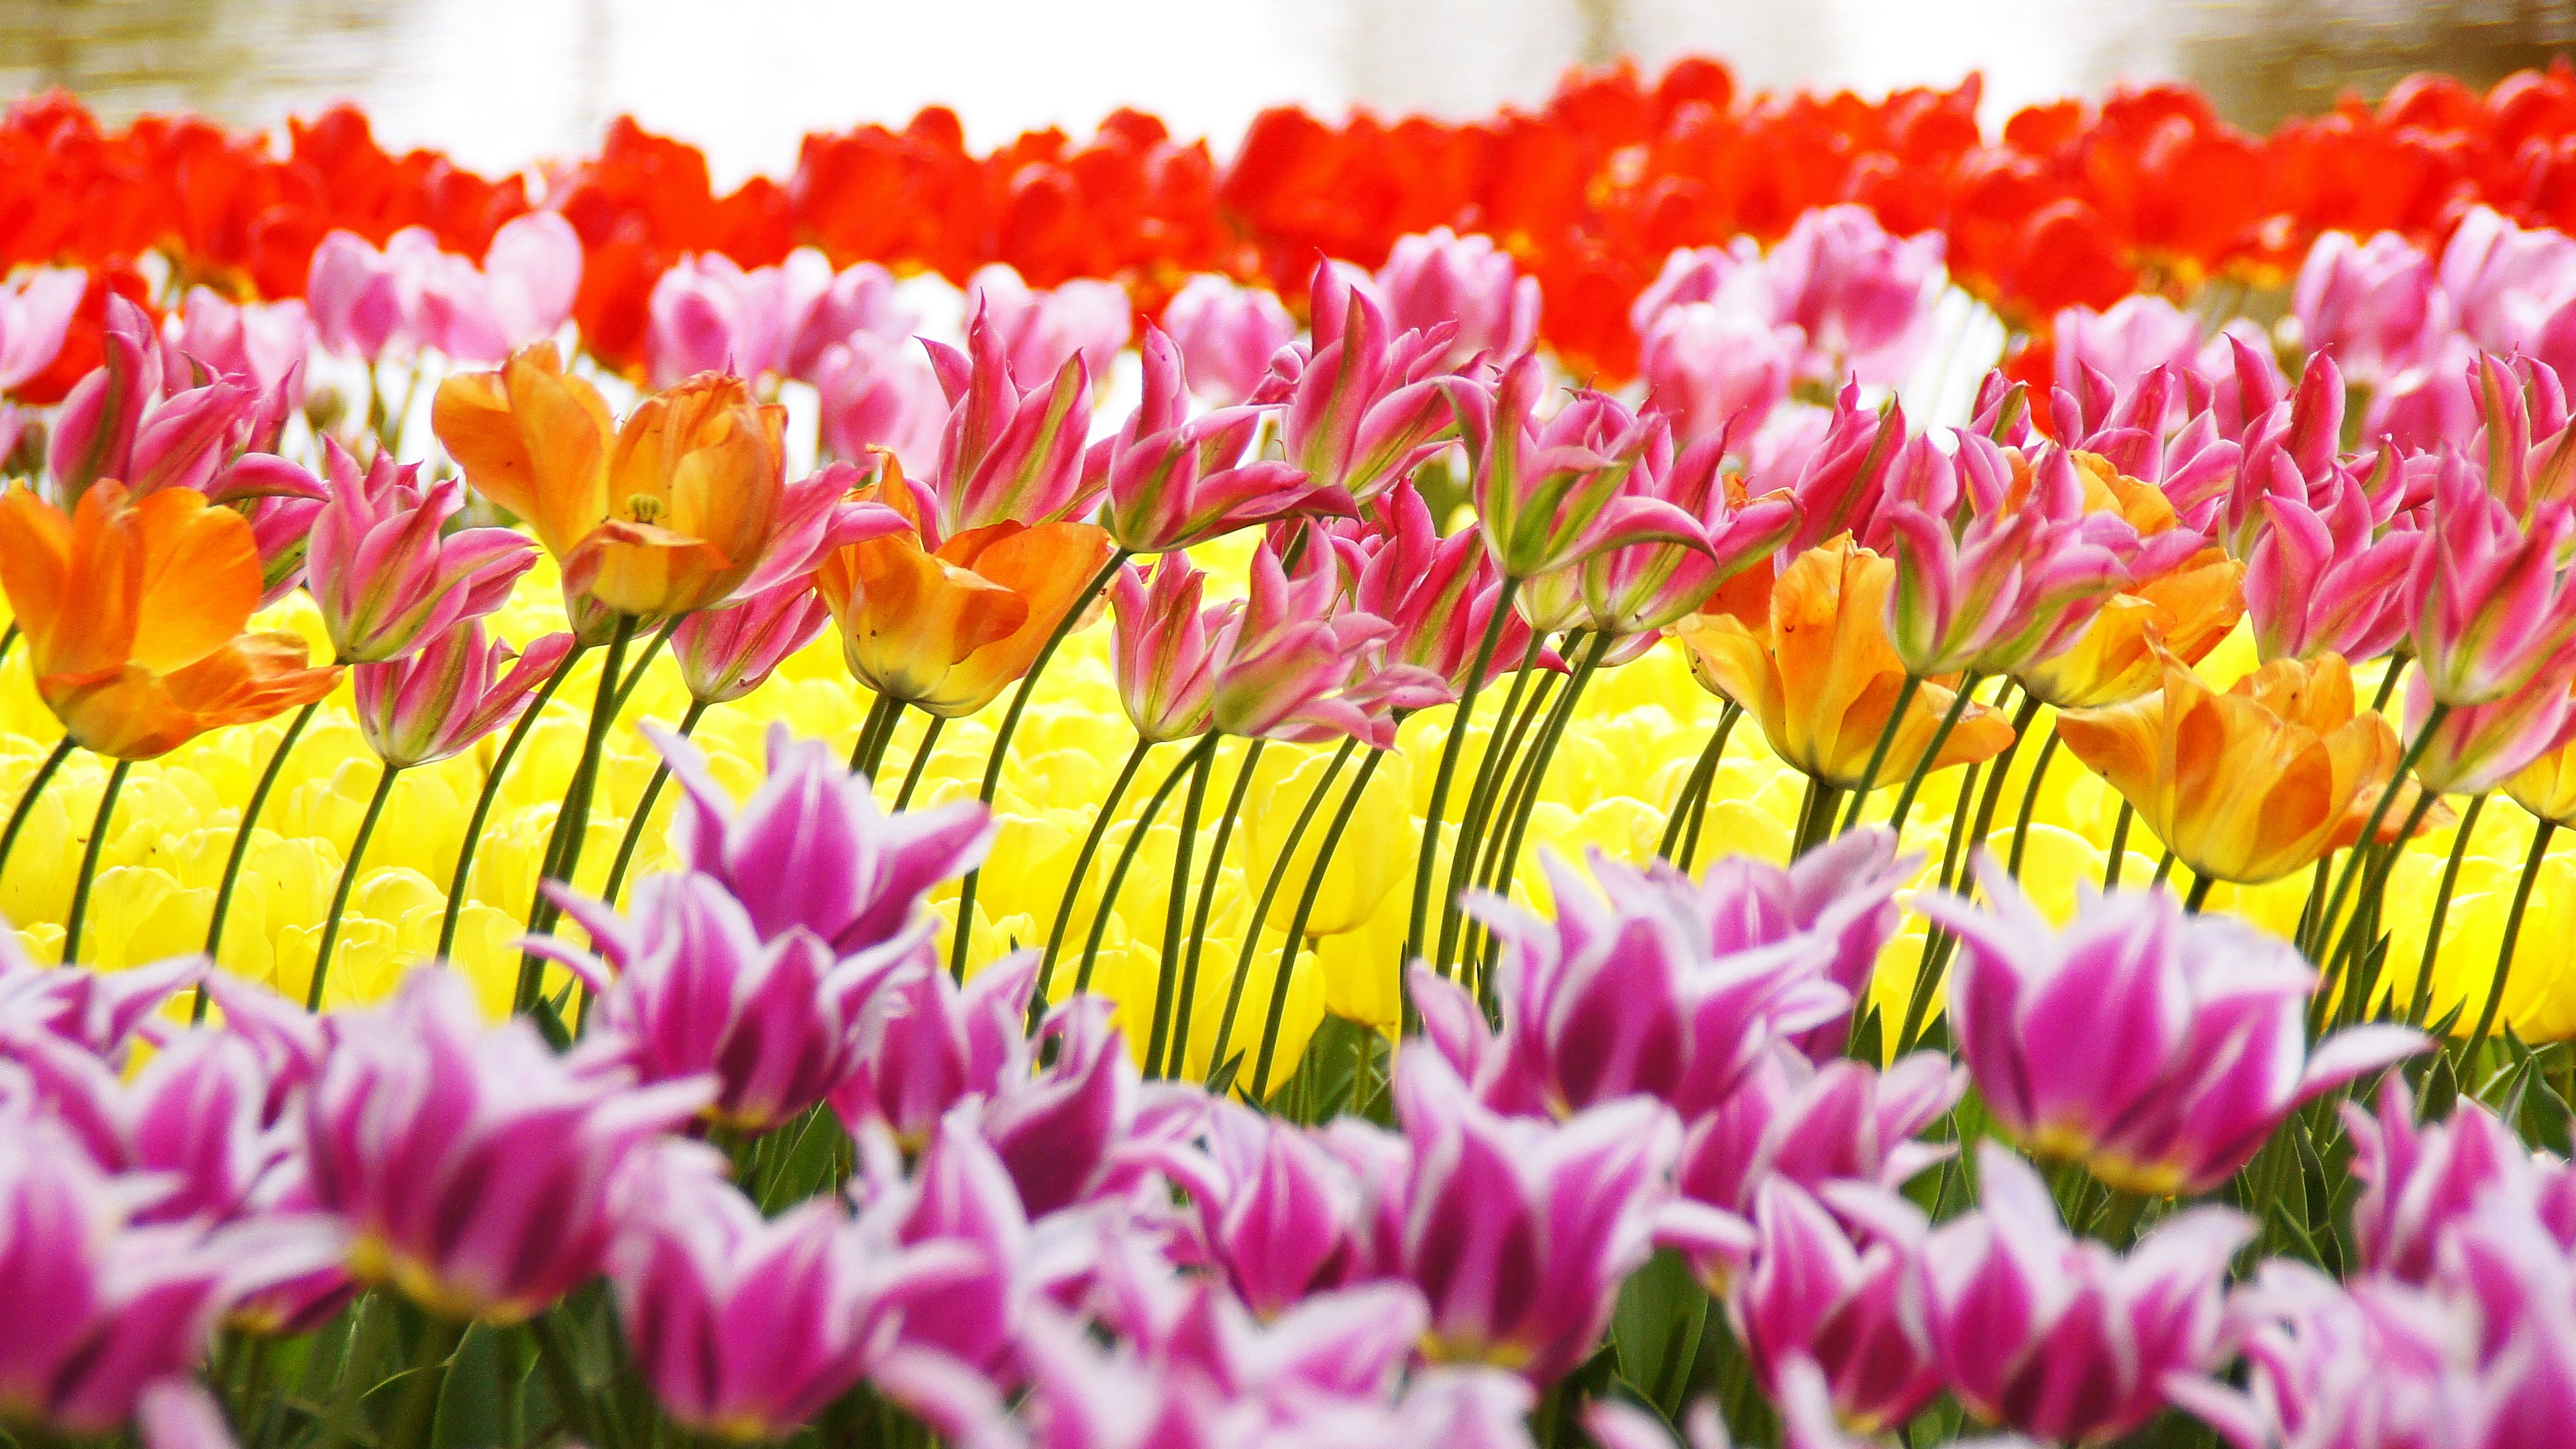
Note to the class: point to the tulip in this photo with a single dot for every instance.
(1283, 1216)
(948, 625)
(961, 1199)
(1441, 277)
(2249, 785)
(936, 1045)
(1548, 494)
(2138, 334)
(1009, 453)
(1863, 297)
(411, 295)
(2378, 1364)
(725, 654)
(1363, 408)
(1440, 595)
(2179, 616)
(35, 315)
(1300, 667)
(134, 616)
(385, 571)
(2374, 305)
(1842, 1301)
(440, 701)
(744, 1327)
(99, 1012)
(1166, 650)
(1795, 1121)
(2501, 276)
(266, 342)
(1822, 679)
(129, 422)
(2056, 1336)
(1709, 368)
(2486, 606)
(196, 1113)
(1176, 482)
(1069, 1131)
(2474, 748)
(1839, 480)
(708, 314)
(2209, 1012)
(1041, 331)
(880, 393)
(1227, 335)
(1731, 274)
(1645, 587)
(2420, 1182)
(472, 1167)
(1519, 1232)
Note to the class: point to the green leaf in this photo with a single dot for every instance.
(1868, 1042)
(480, 1404)
(807, 1163)
(1221, 1080)
(2441, 1089)
(1656, 1329)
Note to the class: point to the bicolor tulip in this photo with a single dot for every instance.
(1820, 676)
(266, 342)
(1710, 368)
(1863, 297)
(470, 1167)
(2486, 606)
(2179, 616)
(1284, 1217)
(1842, 1300)
(2209, 1012)
(1439, 593)
(877, 392)
(384, 569)
(1012, 451)
(1364, 406)
(35, 315)
(1840, 474)
(98, 1011)
(2474, 748)
(440, 700)
(135, 615)
(1174, 481)
(1302, 667)
(2374, 306)
(725, 654)
(961, 1198)
(1441, 277)
(1227, 333)
(2423, 1180)
(1085, 1125)
(2378, 1363)
(131, 421)
(412, 295)
(1644, 587)
(1549, 493)
(1165, 650)
(936, 1045)
(1793, 1120)
(1042, 329)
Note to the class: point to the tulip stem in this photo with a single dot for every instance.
(1002, 745)
(2030, 803)
(2119, 846)
(1305, 912)
(1178, 1058)
(89, 861)
(1261, 908)
(644, 663)
(491, 791)
(1100, 822)
(2512, 935)
(572, 821)
(1816, 820)
(26, 805)
(415, 1419)
(1932, 751)
(1726, 724)
(1500, 746)
(233, 862)
(8, 641)
(1695, 789)
(2378, 815)
(1167, 979)
(1418, 922)
(920, 758)
(1886, 742)
(2420, 1001)
(1990, 798)
(1533, 774)
(873, 734)
(2349, 942)
(1127, 849)
(348, 880)
(2201, 886)
(644, 808)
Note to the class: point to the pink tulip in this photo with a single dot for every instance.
(267, 342)
(1549, 493)
(1438, 593)
(1844, 890)
(1642, 588)
(531, 273)
(1009, 454)
(1840, 479)
(1795, 1121)
(2504, 278)
(470, 1166)
(2422, 1181)
(961, 1200)
(1071, 1131)
(1439, 276)
(196, 1115)
(1842, 1300)
(2487, 608)
(1175, 482)
(1303, 668)
(384, 569)
(1731, 274)
(880, 393)
(2431, 406)
(2137, 335)
(1709, 368)
(1863, 298)
(2380, 1364)
(441, 699)
(1363, 407)
(710, 315)
(1284, 1217)
(2056, 1336)
(725, 654)
(2374, 305)
(2209, 1012)
(1517, 1231)
(2475, 747)
(375, 304)
(1165, 650)
(35, 315)
(96, 1011)
(1041, 331)
(2322, 577)
(1227, 334)
(937, 1045)
(129, 421)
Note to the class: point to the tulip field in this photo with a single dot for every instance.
(1685, 768)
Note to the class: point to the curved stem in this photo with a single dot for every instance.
(1699, 808)
(644, 809)
(2119, 845)
(1696, 787)
(1534, 771)
(1305, 912)
(1002, 744)
(880, 717)
(572, 821)
(2378, 815)
(1817, 821)
(2199, 896)
(2164, 869)
(1178, 1060)
(251, 809)
(920, 758)
(89, 861)
(1501, 744)
(1419, 921)
(2421, 1001)
(348, 880)
(2364, 923)
(1269, 893)
(2512, 935)
(1931, 751)
(1992, 796)
(644, 661)
(1127, 859)
(26, 805)
(8, 641)
(1887, 741)
(2030, 802)
(491, 791)
(1100, 822)
(1167, 979)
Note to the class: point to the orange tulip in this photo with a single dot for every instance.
(2253, 784)
(950, 628)
(2122, 654)
(1817, 672)
(134, 617)
(667, 514)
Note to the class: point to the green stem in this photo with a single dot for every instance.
(1305, 912)
(2199, 896)
(572, 820)
(2512, 935)
(2362, 927)
(415, 1419)
(385, 778)
(240, 853)
(1887, 741)
(26, 805)
(1817, 821)
(2378, 815)
(2164, 869)
(2119, 846)
(644, 662)
(1100, 822)
(1178, 1059)
(2422, 999)
(563, 1378)
(644, 808)
(1002, 744)
(1501, 744)
(1127, 849)
(2030, 803)
(1269, 893)
(1696, 787)
(1699, 807)
(1419, 920)
(1932, 751)
(8, 640)
(370, 1328)
(1534, 772)
(1989, 799)
(864, 750)
(1167, 979)
(920, 759)
(491, 791)
(89, 861)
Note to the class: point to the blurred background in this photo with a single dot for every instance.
(499, 83)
